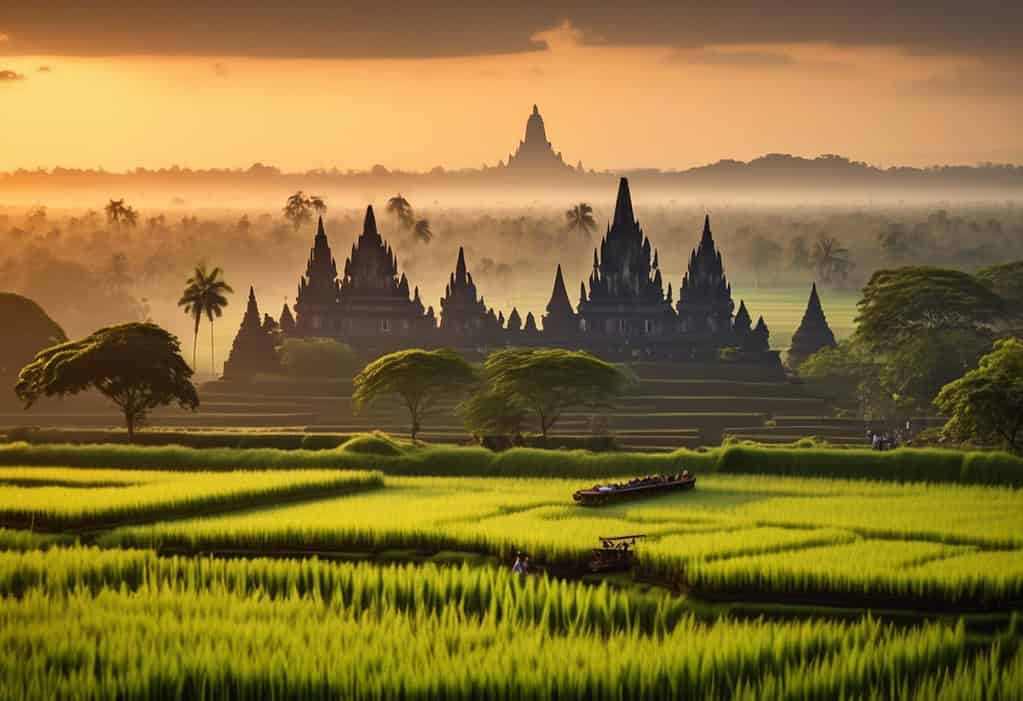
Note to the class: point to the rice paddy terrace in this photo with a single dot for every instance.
(672, 406)
(287, 583)
(304, 581)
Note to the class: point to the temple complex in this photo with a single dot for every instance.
(535, 154)
(623, 312)
(813, 333)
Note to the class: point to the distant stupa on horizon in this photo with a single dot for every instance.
(535, 154)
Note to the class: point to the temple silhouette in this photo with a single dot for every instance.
(535, 155)
(623, 311)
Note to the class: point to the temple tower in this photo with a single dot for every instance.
(374, 305)
(316, 304)
(535, 154)
(253, 350)
(813, 333)
(626, 301)
(705, 298)
(560, 320)
(463, 315)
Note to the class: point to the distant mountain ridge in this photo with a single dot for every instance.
(775, 172)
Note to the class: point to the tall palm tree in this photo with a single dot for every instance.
(830, 258)
(402, 211)
(296, 209)
(116, 211)
(580, 218)
(204, 295)
(422, 231)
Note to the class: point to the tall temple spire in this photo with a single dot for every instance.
(813, 333)
(460, 269)
(560, 317)
(253, 347)
(369, 224)
(623, 207)
(705, 298)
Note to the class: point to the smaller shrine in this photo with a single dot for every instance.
(813, 333)
(254, 349)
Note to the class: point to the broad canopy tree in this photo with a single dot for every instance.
(138, 366)
(986, 404)
(551, 380)
(419, 377)
(899, 305)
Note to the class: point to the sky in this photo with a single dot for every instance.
(308, 84)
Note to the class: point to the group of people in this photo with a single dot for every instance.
(887, 440)
(643, 481)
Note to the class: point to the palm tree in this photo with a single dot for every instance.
(580, 218)
(116, 212)
(402, 211)
(422, 231)
(296, 209)
(204, 295)
(318, 204)
(830, 258)
(130, 217)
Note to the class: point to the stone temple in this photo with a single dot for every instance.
(535, 155)
(624, 310)
(813, 333)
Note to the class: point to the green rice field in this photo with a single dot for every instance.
(321, 582)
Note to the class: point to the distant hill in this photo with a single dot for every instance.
(772, 174)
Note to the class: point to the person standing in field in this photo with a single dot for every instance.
(519, 566)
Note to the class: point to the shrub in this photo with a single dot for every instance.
(319, 357)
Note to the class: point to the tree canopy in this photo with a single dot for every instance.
(551, 380)
(986, 404)
(138, 366)
(493, 414)
(419, 377)
(899, 304)
(319, 357)
(28, 330)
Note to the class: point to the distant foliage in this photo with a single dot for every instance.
(319, 357)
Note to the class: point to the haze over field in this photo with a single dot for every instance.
(169, 106)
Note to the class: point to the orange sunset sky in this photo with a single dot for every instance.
(412, 86)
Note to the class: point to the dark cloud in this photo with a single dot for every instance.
(987, 80)
(752, 59)
(10, 76)
(365, 29)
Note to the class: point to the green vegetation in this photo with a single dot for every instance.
(60, 498)
(986, 404)
(419, 377)
(137, 366)
(551, 380)
(394, 457)
(741, 521)
(204, 295)
(319, 357)
(175, 628)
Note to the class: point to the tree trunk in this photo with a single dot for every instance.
(129, 421)
(213, 363)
